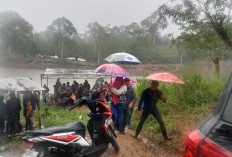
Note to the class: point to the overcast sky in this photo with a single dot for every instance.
(41, 13)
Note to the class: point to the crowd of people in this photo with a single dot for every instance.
(10, 112)
(62, 90)
(120, 94)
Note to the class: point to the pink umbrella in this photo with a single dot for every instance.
(165, 77)
(132, 82)
(112, 70)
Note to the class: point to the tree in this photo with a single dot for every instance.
(101, 35)
(62, 32)
(16, 33)
(202, 21)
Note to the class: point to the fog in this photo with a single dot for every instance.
(40, 13)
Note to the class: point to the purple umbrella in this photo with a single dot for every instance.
(112, 70)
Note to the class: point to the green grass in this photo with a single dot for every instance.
(187, 107)
(53, 116)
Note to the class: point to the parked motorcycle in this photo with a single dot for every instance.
(69, 140)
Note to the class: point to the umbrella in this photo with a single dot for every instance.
(132, 82)
(112, 70)
(164, 77)
(122, 58)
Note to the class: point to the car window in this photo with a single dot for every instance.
(227, 115)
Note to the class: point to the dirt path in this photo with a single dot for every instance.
(129, 147)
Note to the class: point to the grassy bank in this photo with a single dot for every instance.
(186, 108)
(53, 116)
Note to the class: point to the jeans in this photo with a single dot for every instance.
(2, 125)
(44, 99)
(117, 114)
(158, 117)
(12, 125)
(130, 112)
(125, 119)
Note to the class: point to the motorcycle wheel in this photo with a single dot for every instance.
(113, 140)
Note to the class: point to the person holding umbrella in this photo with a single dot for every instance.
(149, 97)
(118, 102)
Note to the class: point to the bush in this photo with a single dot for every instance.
(62, 61)
(28, 59)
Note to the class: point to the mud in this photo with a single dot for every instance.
(130, 147)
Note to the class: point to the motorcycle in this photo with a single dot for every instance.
(69, 140)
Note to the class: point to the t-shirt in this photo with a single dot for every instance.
(149, 99)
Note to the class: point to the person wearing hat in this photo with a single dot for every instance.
(129, 104)
(118, 102)
(149, 98)
(2, 114)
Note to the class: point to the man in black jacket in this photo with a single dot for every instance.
(149, 97)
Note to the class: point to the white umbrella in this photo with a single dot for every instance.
(122, 58)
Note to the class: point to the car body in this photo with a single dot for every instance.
(214, 137)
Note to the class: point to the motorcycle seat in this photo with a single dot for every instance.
(77, 127)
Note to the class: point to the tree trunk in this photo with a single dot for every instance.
(217, 65)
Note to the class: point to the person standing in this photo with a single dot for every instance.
(86, 85)
(2, 114)
(35, 103)
(68, 88)
(44, 94)
(130, 101)
(13, 108)
(118, 103)
(28, 116)
(149, 97)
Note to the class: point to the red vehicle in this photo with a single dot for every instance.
(214, 137)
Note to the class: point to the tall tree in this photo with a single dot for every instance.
(204, 20)
(16, 33)
(62, 31)
(101, 35)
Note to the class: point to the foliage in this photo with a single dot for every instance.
(62, 61)
(28, 59)
(206, 25)
(17, 33)
(61, 38)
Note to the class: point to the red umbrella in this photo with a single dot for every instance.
(164, 77)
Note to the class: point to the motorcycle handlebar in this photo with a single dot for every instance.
(72, 107)
(76, 104)
(79, 101)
